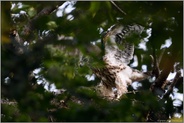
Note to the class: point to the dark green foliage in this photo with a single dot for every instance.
(56, 45)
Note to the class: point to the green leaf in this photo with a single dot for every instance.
(52, 25)
(32, 12)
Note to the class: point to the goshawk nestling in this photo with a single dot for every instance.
(116, 75)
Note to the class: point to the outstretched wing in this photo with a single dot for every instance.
(115, 41)
(116, 75)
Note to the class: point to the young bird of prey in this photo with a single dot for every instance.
(116, 75)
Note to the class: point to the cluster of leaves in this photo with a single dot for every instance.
(56, 42)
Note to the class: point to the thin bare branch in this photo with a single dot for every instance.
(118, 7)
(177, 76)
(156, 70)
(168, 66)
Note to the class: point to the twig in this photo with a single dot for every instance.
(118, 7)
(165, 84)
(177, 76)
(161, 55)
(168, 65)
(155, 70)
(132, 92)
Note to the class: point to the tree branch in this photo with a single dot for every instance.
(45, 11)
(169, 61)
(176, 78)
(118, 7)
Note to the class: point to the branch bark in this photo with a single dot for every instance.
(169, 61)
(118, 7)
(45, 11)
(176, 78)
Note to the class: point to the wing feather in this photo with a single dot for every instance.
(115, 41)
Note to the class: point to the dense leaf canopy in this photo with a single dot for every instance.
(42, 44)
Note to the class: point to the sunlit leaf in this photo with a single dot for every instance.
(31, 12)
